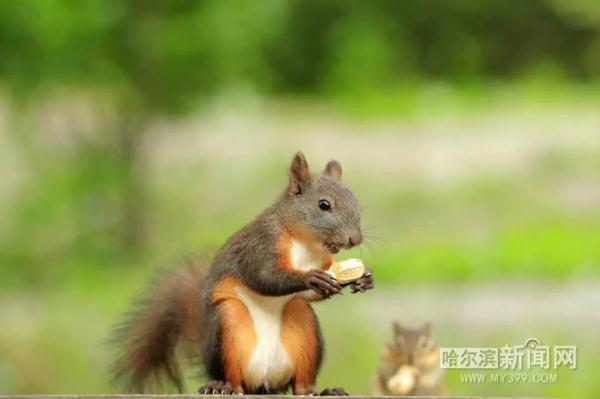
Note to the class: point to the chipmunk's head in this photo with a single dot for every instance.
(414, 346)
(322, 205)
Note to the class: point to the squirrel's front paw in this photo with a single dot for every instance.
(364, 283)
(323, 283)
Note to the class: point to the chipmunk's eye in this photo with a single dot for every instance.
(324, 205)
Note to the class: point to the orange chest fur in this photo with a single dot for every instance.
(302, 253)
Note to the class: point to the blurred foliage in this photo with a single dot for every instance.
(169, 54)
(93, 87)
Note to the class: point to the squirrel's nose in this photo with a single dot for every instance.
(355, 238)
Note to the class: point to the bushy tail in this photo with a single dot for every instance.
(149, 335)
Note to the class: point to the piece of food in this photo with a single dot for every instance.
(404, 381)
(347, 271)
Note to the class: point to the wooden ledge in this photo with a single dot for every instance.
(144, 396)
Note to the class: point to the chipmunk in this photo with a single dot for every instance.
(249, 319)
(410, 364)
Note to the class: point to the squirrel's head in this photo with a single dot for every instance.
(321, 205)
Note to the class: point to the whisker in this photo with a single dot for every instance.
(367, 246)
(377, 241)
(369, 231)
(372, 234)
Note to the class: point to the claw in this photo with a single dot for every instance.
(216, 388)
(334, 392)
(323, 283)
(364, 283)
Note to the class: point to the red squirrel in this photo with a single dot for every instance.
(249, 319)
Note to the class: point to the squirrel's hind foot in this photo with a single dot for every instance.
(217, 388)
(334, 392)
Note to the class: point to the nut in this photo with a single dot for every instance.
(347, 271)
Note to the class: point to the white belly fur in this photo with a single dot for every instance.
(306, 256)
(270, 364)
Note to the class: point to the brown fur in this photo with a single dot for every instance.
(150, 333)
(239, 338)
(238, 342)
(284, 247)
(299, 337)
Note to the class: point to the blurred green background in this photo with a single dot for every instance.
(135, 132)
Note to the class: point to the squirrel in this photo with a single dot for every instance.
(410, 365)
(248, 319)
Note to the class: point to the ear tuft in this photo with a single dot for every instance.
(333, 169)
(299, 174)
(398, 328)
(426, 329)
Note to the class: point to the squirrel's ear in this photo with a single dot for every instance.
(333, 169)
(397, 328)
(299, 174)
(426, 329)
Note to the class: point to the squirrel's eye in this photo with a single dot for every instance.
(324, 205)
